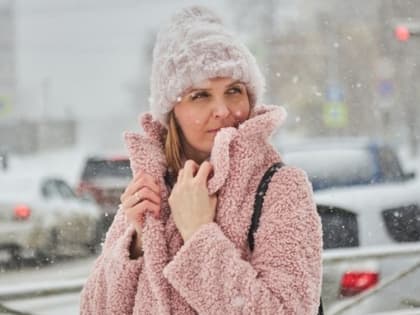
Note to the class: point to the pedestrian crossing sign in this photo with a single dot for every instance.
(5, 105)
(335, 114)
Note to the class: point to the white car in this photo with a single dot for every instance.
(364, 199)
(40, 216)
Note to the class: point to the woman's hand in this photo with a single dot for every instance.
(141, 195)
(190, 203)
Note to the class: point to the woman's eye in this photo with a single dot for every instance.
(235, 90)
(199, 95)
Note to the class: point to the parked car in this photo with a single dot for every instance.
(364, 199)
(40, 216)
(104, 179)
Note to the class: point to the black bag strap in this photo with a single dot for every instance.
(259, 200)
(258, 203)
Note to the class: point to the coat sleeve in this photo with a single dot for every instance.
(112, 284)
(283, 275)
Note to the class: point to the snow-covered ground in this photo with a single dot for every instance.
(48, 276)
(67, 304)
(62, 270)
(415, 311)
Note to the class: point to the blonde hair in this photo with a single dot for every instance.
(173, 145)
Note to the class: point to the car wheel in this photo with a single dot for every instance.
(49, 254)
(95, 246)
(16, 259)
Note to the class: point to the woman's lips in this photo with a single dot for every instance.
(217, 129)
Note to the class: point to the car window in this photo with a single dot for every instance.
(49, 189)
(106, 168)
(390, 166)
(403, 223)
(332, 167)
(64, 190)
(340, 228)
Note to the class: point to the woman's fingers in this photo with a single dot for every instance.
(145, 181)
(138, 211)
(204, 172)
(180, 175)
(147, 194)
(136, 214)
(190, 168)
(138, 175)
(135, 217)
(144, 193)
(138, 183)
(141, 195)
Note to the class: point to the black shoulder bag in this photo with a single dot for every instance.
(259, 200)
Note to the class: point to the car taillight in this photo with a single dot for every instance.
(353, 283)
(22, 212)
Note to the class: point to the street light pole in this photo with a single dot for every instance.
(405, 33)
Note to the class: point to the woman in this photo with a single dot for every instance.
(178, 244)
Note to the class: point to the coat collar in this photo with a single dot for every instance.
(147, 150)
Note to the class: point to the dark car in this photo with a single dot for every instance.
(104, 179)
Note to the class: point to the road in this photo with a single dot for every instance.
(65, 304)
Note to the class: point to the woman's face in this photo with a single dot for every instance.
(207, 107)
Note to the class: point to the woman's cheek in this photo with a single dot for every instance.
(241, 114)
(193, 123)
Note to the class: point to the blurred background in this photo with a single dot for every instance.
(74, 75)
(71, 67)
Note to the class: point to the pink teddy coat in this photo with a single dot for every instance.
(214, 272)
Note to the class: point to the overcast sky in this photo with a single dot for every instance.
(79, 56)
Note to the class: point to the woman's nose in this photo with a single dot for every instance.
(221, 110)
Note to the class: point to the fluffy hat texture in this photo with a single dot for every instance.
(195, 46)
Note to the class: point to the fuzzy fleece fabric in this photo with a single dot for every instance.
(214, 272)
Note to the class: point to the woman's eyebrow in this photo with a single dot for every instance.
(209, 89)
(198, 89)
(233, 83)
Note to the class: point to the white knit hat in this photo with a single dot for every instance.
(193, 47)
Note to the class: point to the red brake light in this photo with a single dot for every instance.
(402, 33)
(353, 283)
(22, 212)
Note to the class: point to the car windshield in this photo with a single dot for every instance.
(65, 190)
(334, 168)
(106, 168)
(54, 188)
